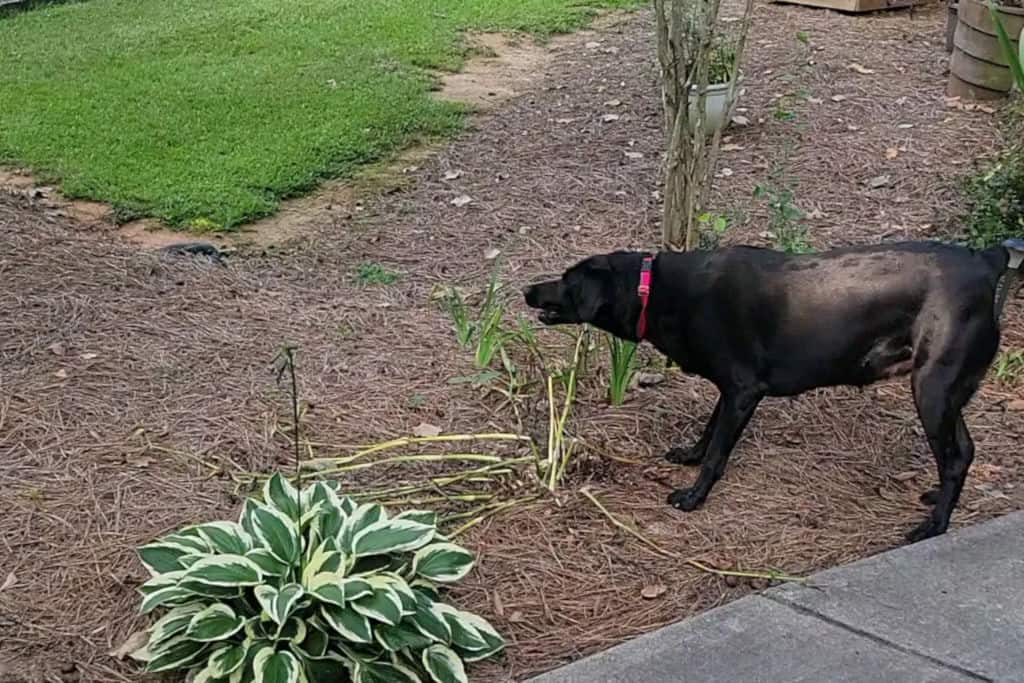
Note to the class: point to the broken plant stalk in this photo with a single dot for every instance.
(768, 575)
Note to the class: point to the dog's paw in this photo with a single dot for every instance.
(926, 529)
(685, 499)
(930, 497)
(684, 456)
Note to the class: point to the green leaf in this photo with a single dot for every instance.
(276, 667)
(400, 637)
(379, 672)
(225, 570)
(172, 624)
(216, 622)
(218, 592)
(332, 516)
(398, 584)
(443, 665)
(464, 634)
(495, 643)
(442, 562)
(314, 645)
(322, 560)
(245, 519)
(328, 587)
(226, 537)
(430, 621)
(228, 660)
(162, 557)
(362, 517)
(356, 588)
(391, 536)
(293, 630)
(161, 581)
(279, 604)
(188, 537)
(428, 517)
(277, 532)
(267, 563)
(279, 493)
(1014, 59)
(384, 604)
(178, 653)
(352, 625)
(171, 595)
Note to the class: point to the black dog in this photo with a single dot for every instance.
(758, 323)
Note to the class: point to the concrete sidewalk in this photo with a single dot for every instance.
(949, 609)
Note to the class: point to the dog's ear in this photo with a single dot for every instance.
(588, 291)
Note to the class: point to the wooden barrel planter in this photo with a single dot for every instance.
(951, 22)
(978, 70)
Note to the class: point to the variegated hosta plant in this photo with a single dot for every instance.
(311, 587)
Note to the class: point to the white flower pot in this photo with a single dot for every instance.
(715, 106)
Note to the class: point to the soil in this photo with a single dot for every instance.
(135, 388)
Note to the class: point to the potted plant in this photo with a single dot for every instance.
(720, 69)
(980, 68)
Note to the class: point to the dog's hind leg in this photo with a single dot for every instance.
(694, 455)
(737, 407)
(941, 389)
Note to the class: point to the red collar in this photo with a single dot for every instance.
(644, 292)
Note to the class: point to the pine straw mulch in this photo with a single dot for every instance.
(132, 386)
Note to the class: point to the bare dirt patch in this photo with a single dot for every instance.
(98, 341)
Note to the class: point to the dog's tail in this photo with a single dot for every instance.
(1007, 259)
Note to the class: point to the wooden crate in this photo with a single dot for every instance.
(855, 5)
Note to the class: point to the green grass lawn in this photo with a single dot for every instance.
(206, 113)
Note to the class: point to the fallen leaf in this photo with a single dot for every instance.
(57, 348)
(839, 98)
(452, 175)
(653, 591)
(852, 128)
(1016, 405)
(492, 254)
(905, 476)
(815, 100)
(725, 173)
(592, 45)
(9, 582)
(516, 617)
(89, 356)
(732, 147)
(499, 607)
(859, 68)
(139, 460)
(987, 109)
(608, 118)
(462, 200)
(905, 126)
(879, 181)
(425, 430)
(613, 103)
(564, 120)
(332, 84)
(62, 373)
(741, 120)
(634, 155)
(135, 642)
(816, 214)
(892, 153)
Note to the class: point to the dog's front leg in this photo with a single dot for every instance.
(695, 454)
(737, 406)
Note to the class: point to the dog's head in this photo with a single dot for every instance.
(600, 290)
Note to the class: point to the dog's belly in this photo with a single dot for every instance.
(888, 358)
(849, 366)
